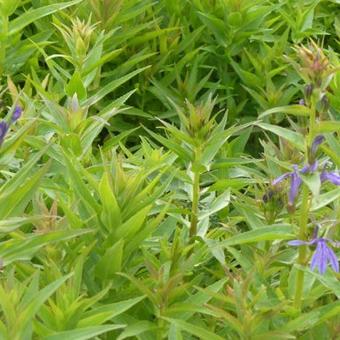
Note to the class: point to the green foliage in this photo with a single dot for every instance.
(136, 186)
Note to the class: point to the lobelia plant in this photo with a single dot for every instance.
(295, 179)
(197, 142)
(114, 228)
(316, 70)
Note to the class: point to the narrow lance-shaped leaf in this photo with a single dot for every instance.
(273, 232)
(295, 138)
(27, 18)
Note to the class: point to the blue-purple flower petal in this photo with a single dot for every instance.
(295, 184)
(310, 168)
(323, 257)
(316, 259)
(16, 114)
(316, 142)
(305, 169)
(298, 243)
(332, 259)
(313, 167)
(3, 130)
(322, 254)
(281, 178)
(330, 176)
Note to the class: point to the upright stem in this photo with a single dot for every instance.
(312, 120)
(195, 201)
(302, 249)
(304, 210)
(3, 42)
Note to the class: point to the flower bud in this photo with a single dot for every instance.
(3, 131)
(314, 65)
(324, 103)
(318, 140)
(16, 114)
(308, 90)
(267, 196)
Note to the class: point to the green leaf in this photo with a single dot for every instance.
(201, 333)
(110, 87)
(14, 203)
(30, 16)
(11, 144)
(277, 335)
(201, 297)
(313, 318)
(106, 312)
(178, 149)
(219, 203)
(132, 225)
(94, 126)
(268, 233)
(83, 333)
(225, 184)
(111, 261)
(296, 110)
(295, 138)
(328, 280)
(17, 249)
(313, 182)
(110, 215)
(76, 86)
(250, 215)
(20, 177)
(228, 318)
(136, 329)
(13, 223)
(325, 199)
(327, 126)
(38, 299)
(79, 186)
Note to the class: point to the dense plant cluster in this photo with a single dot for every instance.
(169, 169)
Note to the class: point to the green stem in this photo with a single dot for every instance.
(312, 120)
(3, 42)
(195, 201)
(302, 249)
(159, 331)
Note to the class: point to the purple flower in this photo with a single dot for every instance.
(16, 114)
(331, 176)
(322, 255)
(295, 183)
(310, 168)
(316, 142)
(3, 131)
